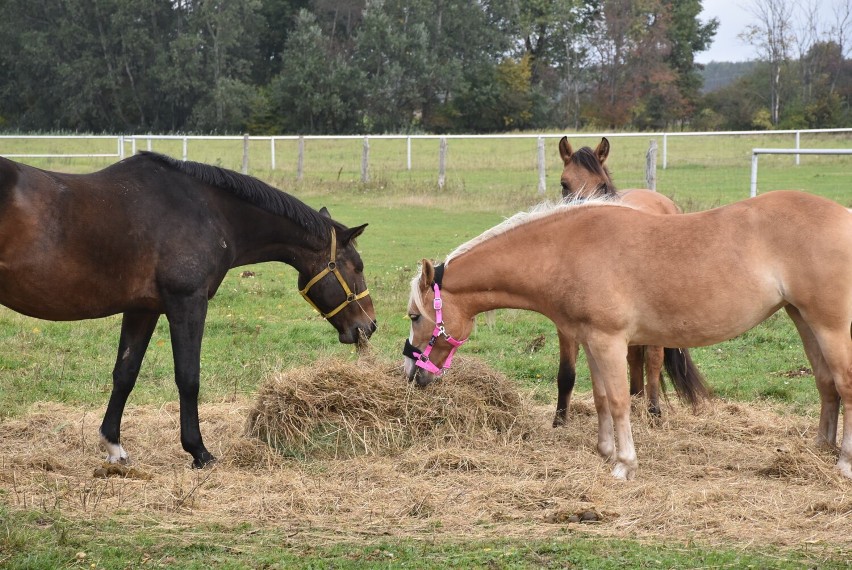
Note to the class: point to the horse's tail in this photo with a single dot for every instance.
(688, 381)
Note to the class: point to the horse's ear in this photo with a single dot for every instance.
(352, 233)
(603, 150)
(427, 274)
(565, 150)
(324, 212)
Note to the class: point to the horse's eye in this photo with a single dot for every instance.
(564, 185)
(413, 317)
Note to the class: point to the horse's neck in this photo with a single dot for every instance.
(494, 277)
(260, 236)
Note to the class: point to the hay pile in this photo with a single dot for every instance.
(359, 454)
(335, 408)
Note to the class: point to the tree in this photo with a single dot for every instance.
(686, 36)
(772, 35)
(392, 51)
(317, 90)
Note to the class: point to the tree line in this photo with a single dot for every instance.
(374, 66)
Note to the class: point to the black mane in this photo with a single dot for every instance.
(251, 190)
(586, 158)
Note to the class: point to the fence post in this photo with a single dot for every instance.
(148, 145)
(651, 166)
(184, 149)
(797, 146)
(272, 152)
(442, 162)
(408, 151)
(665, 150)
(300, 161)
(121, 146)
(365, 161)
(753, 192)
(541, 182)
(245, 153)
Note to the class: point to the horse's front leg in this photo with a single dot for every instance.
(186, 314)
(565, 377)
(607, 361)
(136, 331)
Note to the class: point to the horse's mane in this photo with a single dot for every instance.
(543, 210)
(251, 190)
(586, 158)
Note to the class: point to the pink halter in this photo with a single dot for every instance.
(421, 359)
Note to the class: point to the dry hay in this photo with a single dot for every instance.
(466, 458)
(336, 409)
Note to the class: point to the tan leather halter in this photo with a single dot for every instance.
(332, 268)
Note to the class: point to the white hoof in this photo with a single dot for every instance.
(115, 453)
(623, 472)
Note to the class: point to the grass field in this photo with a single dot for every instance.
(258, 325)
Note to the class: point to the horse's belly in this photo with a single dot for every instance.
(716, 324)
(61, 297)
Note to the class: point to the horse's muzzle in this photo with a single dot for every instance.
(420, 377)
(357, 334)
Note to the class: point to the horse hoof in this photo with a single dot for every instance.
(559, 421)
(623, 472)
(845, 467)
(205, 460)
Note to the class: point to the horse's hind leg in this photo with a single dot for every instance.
(635, 363)
(653, 371)
(829, 396)
(565, 378)
(136, 331)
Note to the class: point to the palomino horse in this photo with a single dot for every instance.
(152, 235)
(609, 275)
(585, 176)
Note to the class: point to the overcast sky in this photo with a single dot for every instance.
(734, 16)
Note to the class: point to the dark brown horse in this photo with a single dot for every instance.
(585, 176)
(152, 235)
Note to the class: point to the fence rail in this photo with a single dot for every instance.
(797, 151)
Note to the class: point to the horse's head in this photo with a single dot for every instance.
(436, 327)
(584, 174)
(334, 285)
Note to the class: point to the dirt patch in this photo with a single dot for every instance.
(356, 451)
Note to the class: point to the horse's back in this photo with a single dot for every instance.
(648, 201)
(728, 268)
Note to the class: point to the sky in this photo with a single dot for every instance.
(734, 16)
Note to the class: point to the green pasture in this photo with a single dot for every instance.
(258, 324)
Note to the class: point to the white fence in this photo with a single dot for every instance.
(295, 148)
(797, 151)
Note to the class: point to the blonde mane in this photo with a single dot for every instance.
(537, 212)
(543, 210)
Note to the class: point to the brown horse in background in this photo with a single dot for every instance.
(585, 176)
(610, 276)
